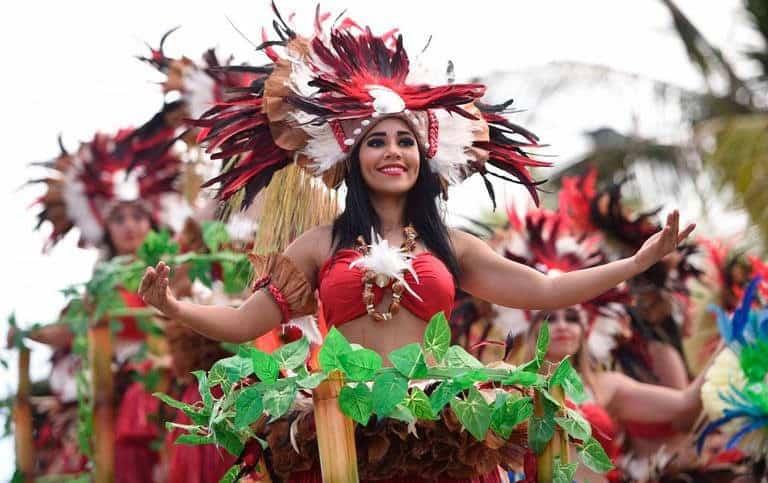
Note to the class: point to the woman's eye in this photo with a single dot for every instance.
(407, 142)
(375, 143)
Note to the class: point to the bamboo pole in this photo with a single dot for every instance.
(335, 433)
(22, 420)
(560, 435)
(100, 345)
(558, 445)
(545, 460)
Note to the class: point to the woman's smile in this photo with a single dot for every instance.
(393, 169)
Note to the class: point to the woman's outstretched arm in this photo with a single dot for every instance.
(631, 400)
(256, 316)
(489, 276)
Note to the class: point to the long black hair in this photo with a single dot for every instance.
(421, 210)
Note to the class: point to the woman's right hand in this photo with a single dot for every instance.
(154, 289)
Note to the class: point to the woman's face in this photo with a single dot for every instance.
(565, 332)
(389, 158)
(127, 226)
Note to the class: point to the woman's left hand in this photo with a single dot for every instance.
(663, 242)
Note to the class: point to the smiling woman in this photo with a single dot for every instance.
(346, 107)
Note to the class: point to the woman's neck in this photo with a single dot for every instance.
(391, 211)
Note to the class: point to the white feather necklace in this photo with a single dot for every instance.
(382, 264)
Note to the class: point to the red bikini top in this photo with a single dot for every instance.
(341, 288)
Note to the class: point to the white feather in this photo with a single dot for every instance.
(125, 186)
(510, 320)
(241, 228)
(455, 136)
(322, 148)
(386, 260)
(568, 244)
(79, 210)
(602, 337)
(199, 91)
(308, 326)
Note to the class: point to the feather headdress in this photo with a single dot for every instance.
(84, 186)
(544, 240)
(319, 95)
(735, 392)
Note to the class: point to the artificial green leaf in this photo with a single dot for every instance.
(542, 342)
(131, 279)
(217, 376)
(311, 381)
(567, 377)
(200, 270)
(522, 377)
(402, 413)
(360, 365)
(541, 428)
(193, 439)
(234, 368)
(437, 336)
(593, 456)
(357, 402)
(418, 403)
(571, 382)
(508, 412)
(470, 377)
(231, 475)
(290, 356)
(443, 394)
(456, 356)
(236, 275)
(473, 413)
(265, 366)
(224, 437)
(575, 425)
(563, 472)
(214, 235)
(150, 380)
(148, 326)
(560, 372)
(550, 398)
(277, 401)
(409, 360)
(155, 246)
(248, 407)
(204, 388)
(389, 389)
(115, 326)
(334, 345)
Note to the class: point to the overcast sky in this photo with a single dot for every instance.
(68, 67)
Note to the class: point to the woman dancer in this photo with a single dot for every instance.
(347, 106)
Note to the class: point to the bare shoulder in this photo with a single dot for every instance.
(608, 383)
(314, 243)
(462, 241)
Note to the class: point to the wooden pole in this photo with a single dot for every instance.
(100, 346)
(22, 420)
(335, 433)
